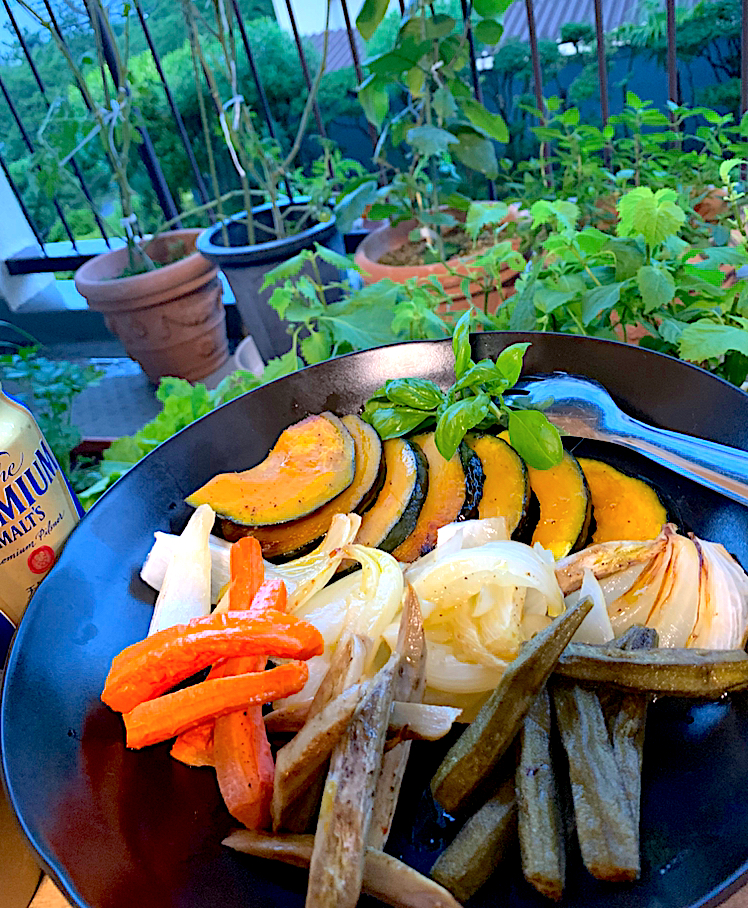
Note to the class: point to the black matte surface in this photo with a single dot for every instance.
(120, 829)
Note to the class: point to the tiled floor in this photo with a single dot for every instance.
(124, 400)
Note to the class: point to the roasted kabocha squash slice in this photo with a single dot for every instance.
(394, 514)
(449, 491)
(312, 462)
(294, 539)
(506, 485)
(564, 506)
(624, 507)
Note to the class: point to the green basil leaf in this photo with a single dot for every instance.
(461, 345)
(535, 439)
(392, 422)
(417, 393)
(457, 420)
(478, 374)
(509, 362)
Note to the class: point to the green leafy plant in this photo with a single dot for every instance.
(49, 388)
(474, 401)
(436, 119)
(646, 278)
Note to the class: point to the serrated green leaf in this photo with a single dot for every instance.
(290, 268)
(591, 241)
(599, 300)
(280, 299)
(652, 215)
(491, 124)
(430, 140)
(484, 214)
(316, 347)
(332, 258)
(629, 257)
(704, 339)
(656, 285)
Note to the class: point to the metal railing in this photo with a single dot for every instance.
(49, 257)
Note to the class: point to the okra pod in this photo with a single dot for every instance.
(479, 846)
(541, 833)
(705, 674)
(477, 751)
(608, 837)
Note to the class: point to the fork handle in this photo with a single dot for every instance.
(715, 466)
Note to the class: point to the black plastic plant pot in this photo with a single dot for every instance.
(245, 267)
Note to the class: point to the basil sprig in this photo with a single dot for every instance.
(475, 401)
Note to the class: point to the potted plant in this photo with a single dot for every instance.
(439, 123)
(646, 284)
(160, 297)
(249, 244)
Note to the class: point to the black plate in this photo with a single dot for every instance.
(118, 829)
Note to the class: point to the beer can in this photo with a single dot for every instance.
(38, 510)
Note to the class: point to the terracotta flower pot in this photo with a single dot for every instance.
(387, 238)
(170, 320)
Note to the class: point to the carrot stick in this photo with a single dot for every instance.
(195, 747)
(170, 715)
(241, 751)
(247, 572)
(149, 668)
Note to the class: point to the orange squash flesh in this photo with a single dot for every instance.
(624, 507)
(506, 490)
(565, 510)
(293, 539)
(312, 462)
(443, 503)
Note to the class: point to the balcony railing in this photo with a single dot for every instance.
(521, 17)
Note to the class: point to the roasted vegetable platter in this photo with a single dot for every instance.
(118, 828)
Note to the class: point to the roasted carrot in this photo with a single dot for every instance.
(247, 573)
(241, 751)
(195, 746)
(167, 716)
(152, 666)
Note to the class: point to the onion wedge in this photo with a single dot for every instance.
(604, 559)
(384, 877)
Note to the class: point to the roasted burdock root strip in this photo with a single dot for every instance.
(384, 877)
(479, 846)
(156, 664)
(474, 755)
(337, 863)
(409, 684)
(541, 832)
(608, 835)
(165, 717)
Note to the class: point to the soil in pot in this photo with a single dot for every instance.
(170, 320)
(379, 253)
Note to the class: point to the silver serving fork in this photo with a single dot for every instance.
(581, 407)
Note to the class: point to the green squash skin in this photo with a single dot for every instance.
(586, 528)
(474, 479)
(530, 510)
(409, 517)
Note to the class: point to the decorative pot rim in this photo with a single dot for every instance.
(262, 253)
(364, 260)
(93, 282)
